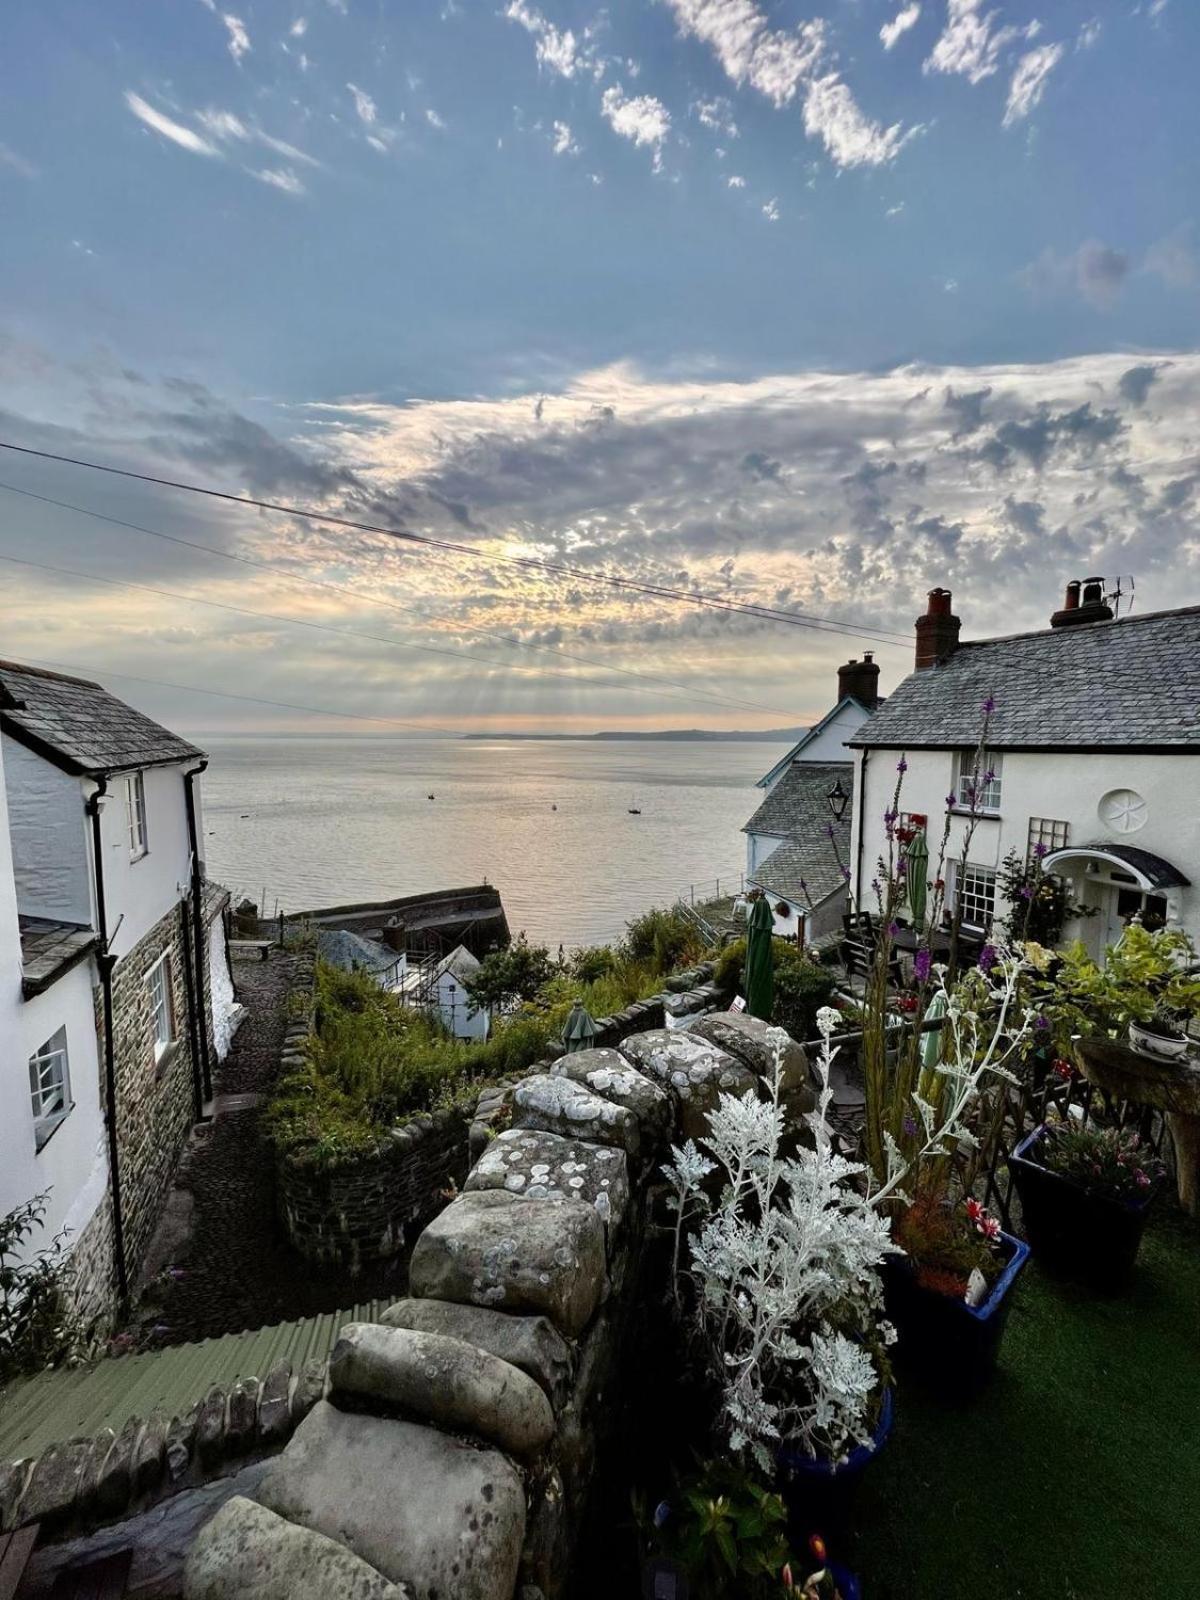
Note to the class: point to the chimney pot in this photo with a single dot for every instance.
(937, 630)
(860, 679)
(1084, 603)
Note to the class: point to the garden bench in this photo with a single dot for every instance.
(104, 1579)
(245, 947)
(15, 1551)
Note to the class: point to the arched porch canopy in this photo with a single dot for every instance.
(1151, 872)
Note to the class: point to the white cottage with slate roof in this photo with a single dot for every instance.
(797, 844)
(1094, 744)
(112, 961)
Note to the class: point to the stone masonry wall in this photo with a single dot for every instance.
(155, 1104)
(454, 1451)
(92, 1281)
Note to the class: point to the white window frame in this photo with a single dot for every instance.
(135, 812)
(159, 982)
(50, 1085)
(987, 802)
(974, 887)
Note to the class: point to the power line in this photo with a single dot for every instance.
(250, 699)
(342, 589)
(660, 591)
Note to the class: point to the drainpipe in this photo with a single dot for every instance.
(189, 984)
(106, 961)
(189, 795)
(861, 813)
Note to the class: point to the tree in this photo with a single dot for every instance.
(507, 977)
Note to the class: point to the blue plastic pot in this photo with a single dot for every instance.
(951, 1346)
(1092, 1238)
(819, 1493)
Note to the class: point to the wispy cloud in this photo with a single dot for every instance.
(225, 126)
(899, 25)
(641, 118)
(299, 28)
(716, 114)
(1174, 260)
(239, 39)
(780, 64)
(557, 49)
(363, 104)
(563, 141)
(279, 178)
(432, 118)
(16, 163)
(1095, 272)
(185, 138)
(1029, 81)
(771, 210)
(736, 181)
(970, 45)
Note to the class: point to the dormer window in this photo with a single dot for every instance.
(135, 807)
(978, 780)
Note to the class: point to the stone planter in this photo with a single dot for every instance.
(1156, 1040)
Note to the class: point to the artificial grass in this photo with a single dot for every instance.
(1076, 1474)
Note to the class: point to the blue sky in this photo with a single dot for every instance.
(686, 288)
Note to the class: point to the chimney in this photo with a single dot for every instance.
(1084, 603)
(861, 680)
(937, 630)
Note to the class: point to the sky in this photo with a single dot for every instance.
(805, 307)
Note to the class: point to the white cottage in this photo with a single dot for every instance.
(449, 994)
(115, 992)
(1094, 746)
(798, 841)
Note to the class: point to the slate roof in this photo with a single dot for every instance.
(1129, 684)
(797, 811)
(81, 727)
(352, 953)
(460, 964)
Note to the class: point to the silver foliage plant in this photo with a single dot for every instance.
(784, 1266)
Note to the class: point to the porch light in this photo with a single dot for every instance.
(838, 799)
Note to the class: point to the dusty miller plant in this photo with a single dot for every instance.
(783, 1273)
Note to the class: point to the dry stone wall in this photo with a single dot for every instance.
(455, 1448)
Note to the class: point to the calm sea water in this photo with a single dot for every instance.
(317, 821)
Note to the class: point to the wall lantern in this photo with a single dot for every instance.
(839, 799)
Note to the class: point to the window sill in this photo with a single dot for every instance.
(140, 856)
(163, 1061)
(979, 816)
(43, 1132)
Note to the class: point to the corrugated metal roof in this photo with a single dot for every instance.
(82, 1400)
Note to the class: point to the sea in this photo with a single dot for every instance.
(296, 823)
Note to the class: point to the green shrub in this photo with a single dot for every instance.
(35, 1330)
(802, 985)
(664, 939)
(507, 977)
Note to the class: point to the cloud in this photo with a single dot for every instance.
(966, 409)
(1135, 384)
(363, 104)
(1173, 259)
(16, 163)
(778, 65)
(899, 25)
(894, 211)
(1089, 34)
(280, 178)
(299, 28)
(558, 50)
(185, 138)
(771, 210)
(225, 127)
(735, 181)
(1095, 271)
(434, 121)
(563, 141)
(239, 39)
(969, 45)
(717, 115)
(1029, 81)
(641, 118)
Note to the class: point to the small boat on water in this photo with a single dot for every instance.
(635, 811)
(431, 797)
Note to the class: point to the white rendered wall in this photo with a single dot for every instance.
(47, 828)
(73, 1164)
(140, 893)
(454, 1006)
(1065, 785)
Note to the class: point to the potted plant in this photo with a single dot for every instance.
(949, 1294)
(1085, 1193)
(1145, 990)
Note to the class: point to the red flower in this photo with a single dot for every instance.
(975, 1211)
(1062, 1069)
(989, 1228)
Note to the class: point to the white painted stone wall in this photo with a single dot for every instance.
(138, 893)
(48, 832)
(72, 1165)
(453, 1003)
(1065, 785)
(226, 1012)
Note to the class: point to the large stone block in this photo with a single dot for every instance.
(608, 1074)
(248, 1553)
(754, 1042)
(426, 1510)
(442, 1380)
(537, 1166)
(561, 1105)
(696, 1071)
(530, 1343)
(493, 1249)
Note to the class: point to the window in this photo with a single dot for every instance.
(162, 1006)
(135, 807)
(1046, 832)
(49, 1086)
(985, 781)
(975, 896)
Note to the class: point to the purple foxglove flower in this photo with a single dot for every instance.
(989, 705)
(951, 801)
(902, 765)
(846, 874)
(893, 929)
(1041, 1022)
(1040, 850)
(922, 962)
(910, 1127)
(1026, 892)
(987, 958)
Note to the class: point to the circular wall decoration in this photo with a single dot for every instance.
(1122, 810)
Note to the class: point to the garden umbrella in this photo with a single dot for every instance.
(916, 877)
(931, 1042)
(759, 979)
(580, 1029)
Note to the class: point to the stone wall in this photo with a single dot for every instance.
(91, 1285)
(455, 1449)
(85, 1483)
(155, 1100)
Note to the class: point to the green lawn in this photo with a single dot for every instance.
(1076, 1475)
